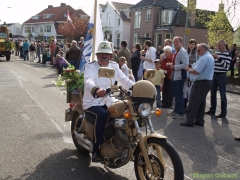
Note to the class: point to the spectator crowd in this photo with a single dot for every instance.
(183, 77)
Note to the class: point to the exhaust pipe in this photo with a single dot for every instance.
(84, 142)
(85, 146)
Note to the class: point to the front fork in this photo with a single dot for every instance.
(144, 146)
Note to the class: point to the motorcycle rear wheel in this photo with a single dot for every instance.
(76, 122)
(172, 162)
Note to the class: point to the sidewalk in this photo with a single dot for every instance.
(231, 88)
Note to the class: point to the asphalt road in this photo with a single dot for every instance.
(35, 141)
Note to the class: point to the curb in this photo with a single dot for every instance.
(232, 92)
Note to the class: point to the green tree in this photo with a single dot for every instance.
(217, 23)
(219, 27)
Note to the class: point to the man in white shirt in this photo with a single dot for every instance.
(150, 56)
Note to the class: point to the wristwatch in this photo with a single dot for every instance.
(189, 70)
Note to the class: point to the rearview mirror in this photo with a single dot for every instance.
(106, 72)
(149, 73)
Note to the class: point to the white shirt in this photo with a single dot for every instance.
(124, 69)
(92, 80)
(150, 54)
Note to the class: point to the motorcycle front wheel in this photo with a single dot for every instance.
(165, 161)
(75, 125)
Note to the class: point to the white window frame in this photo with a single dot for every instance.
(119, 22)
(147, 35)
(46, 28)
(46, 16)
(108, 19)
(118, 40)
(137, 19)
(167, 17)
(34, 29)
(135, 38)
(169, 36)
(27, 29)
(148, 17)
(41, 29)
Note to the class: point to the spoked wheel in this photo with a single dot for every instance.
(76, 123)
(165, 161)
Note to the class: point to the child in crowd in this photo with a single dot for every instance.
(48, 55)
(123, 65)
(158, 80)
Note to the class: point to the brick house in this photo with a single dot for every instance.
(116, 21)
(158, 20)
(45, 23)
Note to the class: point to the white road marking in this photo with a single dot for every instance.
(228, 160)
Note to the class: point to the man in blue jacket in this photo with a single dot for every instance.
(25, 50)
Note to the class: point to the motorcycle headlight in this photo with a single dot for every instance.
(144, 110)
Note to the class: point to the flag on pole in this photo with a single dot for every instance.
(69, 20)
(89, 47)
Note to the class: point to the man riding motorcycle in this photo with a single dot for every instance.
(95, 101)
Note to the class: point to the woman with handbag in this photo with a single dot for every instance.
(165, 58)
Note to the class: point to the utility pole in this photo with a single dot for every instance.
(186, 25)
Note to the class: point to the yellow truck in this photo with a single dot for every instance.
(5, 44)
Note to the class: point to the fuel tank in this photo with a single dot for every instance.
(117, 109)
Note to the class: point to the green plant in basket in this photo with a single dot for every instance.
(71, 79)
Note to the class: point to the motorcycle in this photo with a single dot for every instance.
(153, 155)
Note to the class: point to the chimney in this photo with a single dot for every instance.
(221, 7)
(192, 14)
(63, 4)
(50, 6)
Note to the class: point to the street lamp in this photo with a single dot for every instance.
(14, 22)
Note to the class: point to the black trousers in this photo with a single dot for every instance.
(167, 94)
(135, 74)
(197, 101)
(232, 67)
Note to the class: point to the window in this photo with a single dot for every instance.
(17, 30)
(118, 41)
(65, 15)
(27, 29)
(167, 17)
(148, 14)
(119, 21)
(83, 16)
(167, 36)
(46, 16)
(36, 17)
(147, 35)
(137, 19)
(47, 28)
(41, 29)
(109, 19)
(135, 38)
(34, 29)
(129, 15)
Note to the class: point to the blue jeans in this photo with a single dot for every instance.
(179, 100)
(25, 55)
(219, 81)
(158, 97)
(100, 114)
(38, 55)
(75, 63)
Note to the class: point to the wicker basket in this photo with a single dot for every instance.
(74, 96)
